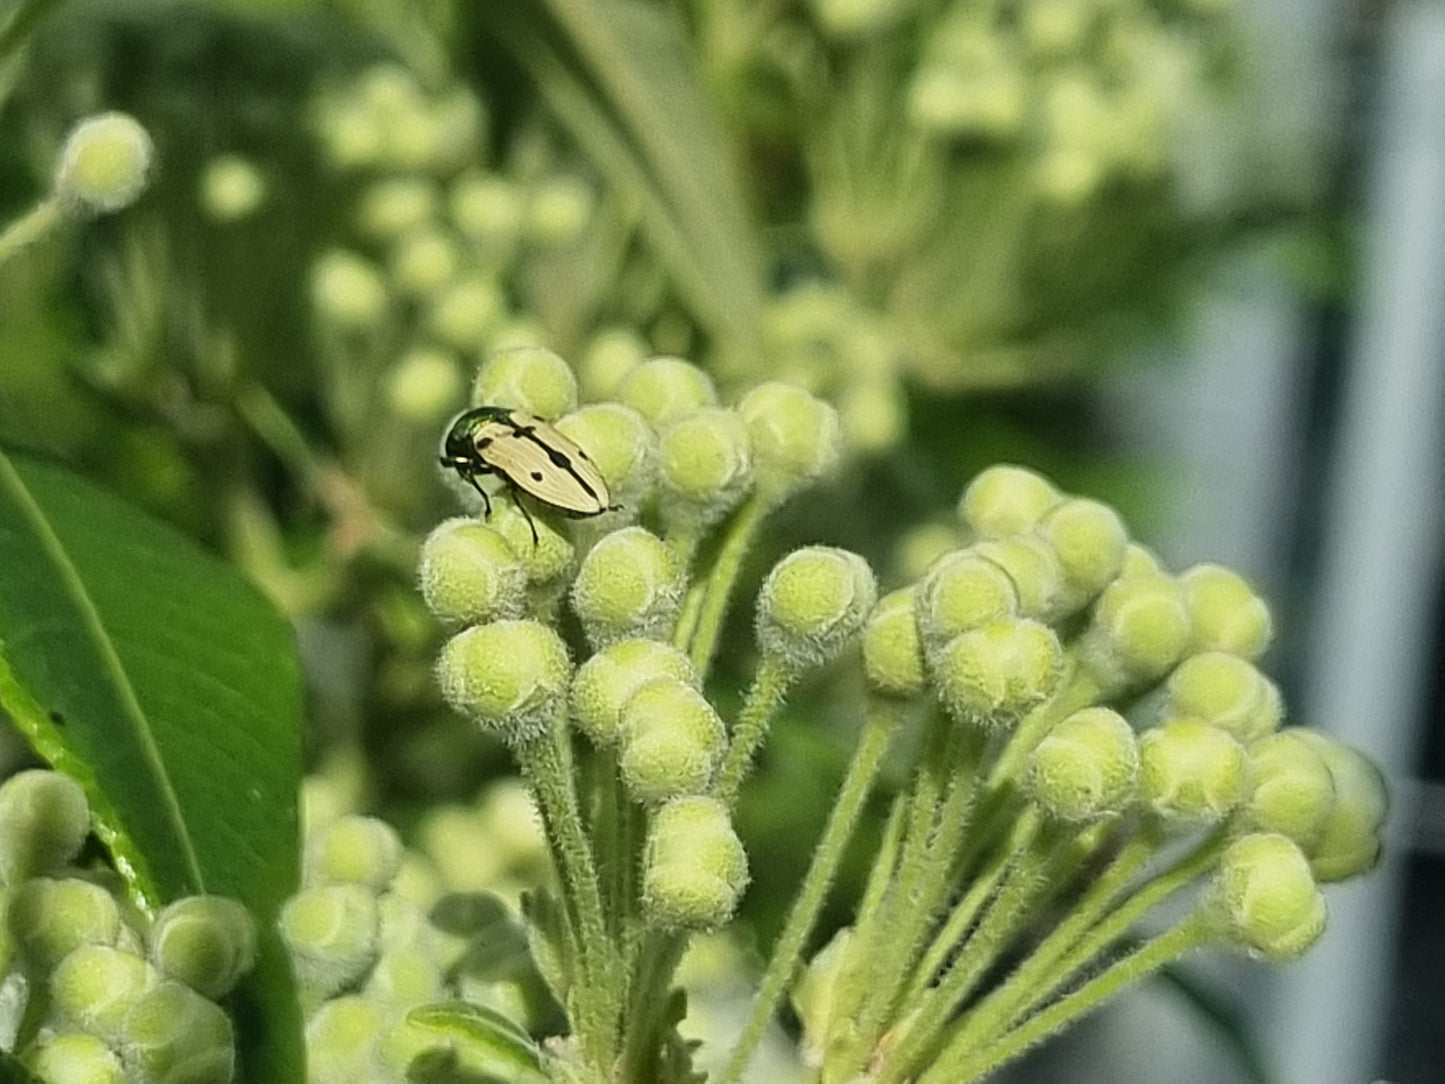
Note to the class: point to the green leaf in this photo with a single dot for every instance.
(170, 689)
(483, 1040)
(13, 1071)
(619, 76)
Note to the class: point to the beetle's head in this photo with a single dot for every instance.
(458, 450)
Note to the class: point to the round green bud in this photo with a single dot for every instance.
(465, 312)
(695, 867)
(73, 1057)
(621, 444)
(405, 978)
(854, 19)
(508, 676)
(812, 605)
(470, 574)
(513, 825)
(424, 262)
(341, 1040)
(1349, 840)
(630, 585)
(892, 653)
(963, 591)
(1228, 692)
(207, 942)
(1006, 500)
(664, 389)
(1139, 629)
(347, 292)
(397, 206)
(94, 987)
(527, 378)
(820, 995)
(874, 415)
(1264, 897)
(920, 547)
(1034, 569)
(50, 919)
(331, 934)
(1089, 540)
(488, 210)
(44, 819)
(544, 560)
(1192, 772)
(606, 681)
(559, 211)
(354, 849)
(993, 675)
(1086, 768)
(1226, 613)
(796, 437)
(1141, 561)
(231, 188)
(172, 1033)
(607, 359)
(672, 741)
(704, 466)
(1293, 790)
(424, 385)
(105, 163)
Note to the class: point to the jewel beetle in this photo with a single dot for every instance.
(529, 456)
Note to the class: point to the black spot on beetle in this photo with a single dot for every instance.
(536, 476)
(559, 459)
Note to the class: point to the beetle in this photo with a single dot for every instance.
(530, 457)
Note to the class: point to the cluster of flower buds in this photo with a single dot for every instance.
(95, 990)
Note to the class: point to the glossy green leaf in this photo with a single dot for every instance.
(170, 689)
(483, 1040)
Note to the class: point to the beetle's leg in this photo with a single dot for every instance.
(486, 501)
(517, 500)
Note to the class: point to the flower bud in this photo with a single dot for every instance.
(173, 1033)
(488, 210)
(663, 389)
(606, 681)
(331, 933)
(704, 466)
(527, 378)
(397, 206)
(892, 654)
(404, 978)
(207, 942)
(1006, 500)
(796, 438)
(341, 1040)
(94, 987)
(672, 741)
(465, 312)
(992, 676)
(73, 1057)
(1087, 767)
(1089, 540)
(920, 547)
(44, 820)
(545, 559)
(1349, 840)
(630, 585)
(874, 415)
(470, 575)
(347, 292)
(1293, 790)
(1227, 692)
(1264, 897)
(1139, 629)
(231, 188)
(608, 357)
(424, 385)
(1191, 771)
(819, 995)
(1034, 569)
(622, 447)
(560, 209)
(1225, 612)
(105, 163)
(963, 591)
(695, 868)
(424, 262)
(354, 850)
(1141, 561)
(812, 604)
(50, 919)
(508, 676)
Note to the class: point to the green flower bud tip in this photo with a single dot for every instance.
(621, 444)
(470, 574)
(1088, 538)
(50, 919)
(94, 987)
(424, 262)
(606, 681)
(231, 188)
(560, 209)
(1192, 772)
(816, 996)
(920, 547)
(1034, 569)
(874, 415)
(456, 841)
(892, 654)
(105, 163)
(963, 591)
(347, 292)
(331, 934)
(466, 311)
(513, 824)
(73, 1057)
(664, 389)
(173, 1033)
(607, 359)
(44, 819)
(546, 559)
(1141, 561)
(1293, 792)
(630, 585)
(527, 378)
(341, 1038)
(405, 979)
(1226, 613)
(672, 741)
(993, 675)
(1228, 692)
(424, 385)
(397, 206)
(1087, 767)
(1349, 840)
(354, 850)
(1140, 628)
(1265, 898)
(1006, 500)
(508, 676)
(488, 210)
(796, 437)
(704, 465)
(695, 869)
(813, 603)
(207, 942)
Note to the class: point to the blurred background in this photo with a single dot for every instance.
(1187, 256)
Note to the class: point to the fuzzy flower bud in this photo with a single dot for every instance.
(963, 591)
(207, 942)
(1086, 768)
(544, 560)
(1034, 569)
(1225, 612)
(664, 389)
(560, 209)
(607, 359)
(606, 681)
(695, 867)
(424, 385)
(1140, 628)
(469, 574)
(488, 210)
(892, 654)
(172, 1033)
(527, 378)
(630, 585)
(44, 819)
(347, 292)
(354, 849)
(508, 676)
(73, 1057)
(1089, 540)
(1227, 692)
(424, 262)
(1006, 500)
(50, 919)
(231, 188)
(1192, 772)
(331, 934)
(94, 987)
(622, 447)
(465, 312)
(105, 163)
(704, 466)
(1293, 791)
(796, 437)
(812, 604)
(341, 1039)
(1264, 897)
(1349, 840)
(992, 676)
(672, 741)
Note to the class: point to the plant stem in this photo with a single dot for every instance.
(720, 582)
(771, 682)
(32, 226)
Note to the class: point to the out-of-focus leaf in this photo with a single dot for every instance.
(169, 688)
(482, 1040)
(13, 1071)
